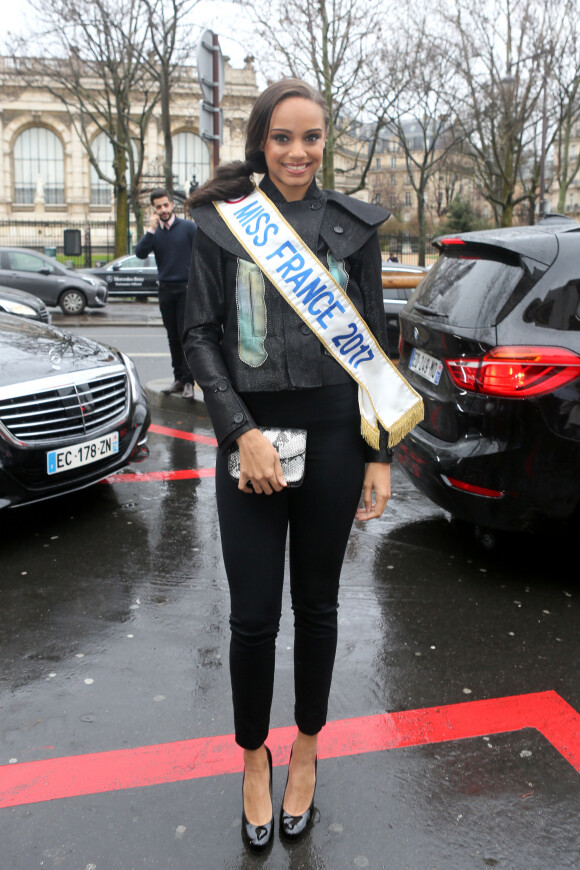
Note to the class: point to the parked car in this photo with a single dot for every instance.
(71, 412)
(399, 281)
(43, 277)
(24, 304)
(491, 340)
(129, 276)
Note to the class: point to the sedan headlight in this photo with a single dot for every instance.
(18, 308)
(90, 280)
(133, 376)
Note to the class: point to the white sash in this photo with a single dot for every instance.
(319, 300)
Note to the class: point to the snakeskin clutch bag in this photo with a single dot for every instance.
(290, 444)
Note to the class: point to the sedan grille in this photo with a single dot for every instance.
(70, 409)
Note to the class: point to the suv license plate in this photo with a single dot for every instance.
(76, 455)
(426, 366)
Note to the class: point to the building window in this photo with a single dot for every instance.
(408, 199)
(190, 157)
(101, 190)
(38, 166)
(103, 151)
(377, 162)
(393, 162)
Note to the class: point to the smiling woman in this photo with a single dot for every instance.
(294, 146)
(281, 278)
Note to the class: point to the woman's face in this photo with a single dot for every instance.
(294, 145)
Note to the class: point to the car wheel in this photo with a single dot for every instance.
(72, 302)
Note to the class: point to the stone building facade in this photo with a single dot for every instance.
(45, 173)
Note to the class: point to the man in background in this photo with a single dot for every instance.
(170, 238)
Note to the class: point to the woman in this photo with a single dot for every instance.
(259, 364)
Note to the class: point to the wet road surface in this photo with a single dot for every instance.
(114, 636)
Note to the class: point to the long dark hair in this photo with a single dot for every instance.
(235, 179)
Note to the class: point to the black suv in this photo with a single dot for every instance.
(491, 340)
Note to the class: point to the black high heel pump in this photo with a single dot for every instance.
(258, 837)
(294, 827)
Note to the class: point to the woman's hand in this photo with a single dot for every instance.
(377, 480)
(260, 464)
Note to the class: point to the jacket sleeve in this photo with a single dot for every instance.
(144, 246)
(203, 331)
(367, 268)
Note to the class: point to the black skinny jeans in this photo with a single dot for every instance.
(253, 529)
(172, 307)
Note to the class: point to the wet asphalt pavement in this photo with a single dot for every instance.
(114, 636)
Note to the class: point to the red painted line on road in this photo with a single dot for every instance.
(142, 477)
(51, 779)
(178, 433)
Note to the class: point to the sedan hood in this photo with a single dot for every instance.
(21, 296)
(30, 350)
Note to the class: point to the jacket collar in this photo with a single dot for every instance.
(277, 197)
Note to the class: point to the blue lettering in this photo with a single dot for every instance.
(278, 251)
(290, 265)
(247, 212)
(299, 279)
(253, 226)
(317, 299)
(310, 291)
(328, 312)
(273, 227)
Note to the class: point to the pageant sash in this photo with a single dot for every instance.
(313, 293)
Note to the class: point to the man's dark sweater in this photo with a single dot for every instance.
(172, 249)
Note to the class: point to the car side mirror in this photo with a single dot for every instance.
(116, 268)
(45, 271)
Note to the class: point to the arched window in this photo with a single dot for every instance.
(102, 148)
(190, 157)
(38, 165)
(101, 189)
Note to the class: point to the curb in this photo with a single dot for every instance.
(173, 401)
(64, 321)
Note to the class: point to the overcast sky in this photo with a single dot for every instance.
(207, 14)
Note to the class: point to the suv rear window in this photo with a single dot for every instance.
(471, 288)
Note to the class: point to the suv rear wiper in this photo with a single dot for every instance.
(424, 310)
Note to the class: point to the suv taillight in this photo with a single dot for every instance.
(516, 372)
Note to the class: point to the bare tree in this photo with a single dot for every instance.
(90, 60)
(330, 43)
(566, 78)
(426, 132)
(170, 44)
(499, 50)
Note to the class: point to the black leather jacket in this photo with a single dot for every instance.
(242, 336)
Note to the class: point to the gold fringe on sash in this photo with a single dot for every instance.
(398, 430)
(371, 434)
(408, 421)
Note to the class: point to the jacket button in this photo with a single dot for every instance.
(222, 386)
(315, 206)
(305, 330)
(238, 418)
(339, 229)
